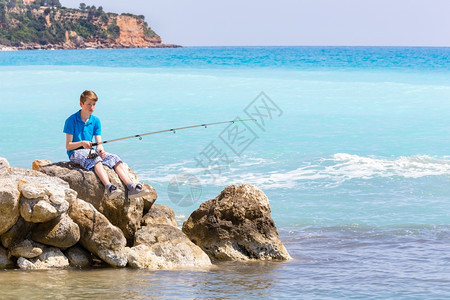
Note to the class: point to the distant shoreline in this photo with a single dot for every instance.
(62, 47)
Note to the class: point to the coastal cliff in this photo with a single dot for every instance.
(34, 24)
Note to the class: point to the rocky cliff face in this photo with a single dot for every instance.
(34, 27)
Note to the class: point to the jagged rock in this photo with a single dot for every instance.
(78, 257)
(165, 247)
(51, 258)
(9, 204)
(160, 214)
(5, 261)
(38, 210)
(60, 232)
(26, 249)
(149, 199)
(98, 235)
(17, 233)
(42, 203)
(236, 225)
(37, 164)
(49, 195)
(123, 213)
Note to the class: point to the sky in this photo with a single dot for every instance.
(290, 22)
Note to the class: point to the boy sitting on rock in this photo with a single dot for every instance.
(80, 128)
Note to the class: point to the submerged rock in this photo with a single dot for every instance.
(98, 235)
(236, 225)
(165, 247)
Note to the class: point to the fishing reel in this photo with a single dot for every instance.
(92, 154)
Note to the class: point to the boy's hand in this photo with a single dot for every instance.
(86, 144)
(102, 153)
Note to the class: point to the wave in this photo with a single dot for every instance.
(328, 172)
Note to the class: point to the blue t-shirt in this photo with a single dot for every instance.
(82, 131)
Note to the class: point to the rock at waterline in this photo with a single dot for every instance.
(166, 247)
(78, 257)
(122, 213)
(51, 258)
(236, 225)
(98, 235)
(5, 260)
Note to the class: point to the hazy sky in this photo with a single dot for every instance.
(291, 22)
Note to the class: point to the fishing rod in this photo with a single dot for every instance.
(139, 136)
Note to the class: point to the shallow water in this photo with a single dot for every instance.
(380, 263)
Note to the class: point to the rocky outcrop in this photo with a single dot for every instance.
(45, 224)
(132, 33)
(65, 28)
(123, 213)
(236, 225)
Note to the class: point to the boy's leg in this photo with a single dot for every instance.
(134, 191)
(80, 157)
(122, 174)
(111, 190)
(101, 173)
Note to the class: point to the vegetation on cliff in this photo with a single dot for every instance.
(41, 23)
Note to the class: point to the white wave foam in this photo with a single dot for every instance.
(329, 172)
(342, 167)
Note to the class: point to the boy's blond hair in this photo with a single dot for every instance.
(88, 95)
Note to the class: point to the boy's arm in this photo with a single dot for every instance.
(75, 145)
(100, 150)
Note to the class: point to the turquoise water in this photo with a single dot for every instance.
(352, 151)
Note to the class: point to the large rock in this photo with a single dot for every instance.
(236, 225)
(60, 232)
(98, 235)
(43, 197)
(51, 258)
(78, 257)
(4, 165)
(123, 213)
(160, 214)
(9, 204)
(165, 247)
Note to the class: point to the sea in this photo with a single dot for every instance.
(350, 145)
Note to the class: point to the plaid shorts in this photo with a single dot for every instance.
(80, 157)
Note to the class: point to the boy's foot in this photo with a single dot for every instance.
(137, 191)
(113, 192)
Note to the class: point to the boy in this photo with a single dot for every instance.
(80, 128)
